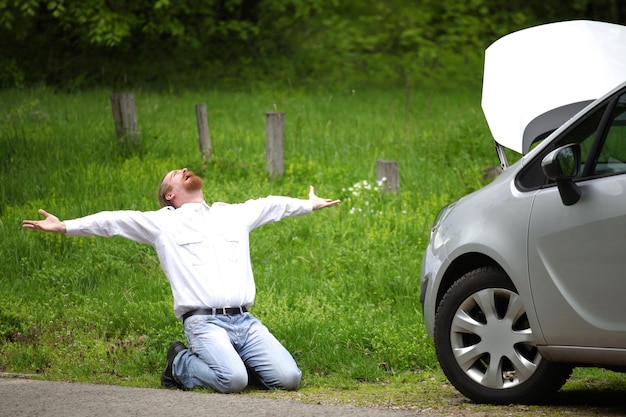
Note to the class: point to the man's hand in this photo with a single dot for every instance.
(320, 203)
(51, 223)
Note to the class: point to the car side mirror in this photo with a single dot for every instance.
(561, 165)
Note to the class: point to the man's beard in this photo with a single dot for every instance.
(194, 183)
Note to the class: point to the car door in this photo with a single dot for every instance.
(577, 253)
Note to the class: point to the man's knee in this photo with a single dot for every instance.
(291, 381)
(233, 383)
(287, 379)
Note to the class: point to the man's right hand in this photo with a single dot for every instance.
(50, 223)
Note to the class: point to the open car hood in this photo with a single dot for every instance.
(538, 78)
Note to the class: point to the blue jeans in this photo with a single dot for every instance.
(221, 350)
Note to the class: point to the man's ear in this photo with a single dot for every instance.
(170, 196)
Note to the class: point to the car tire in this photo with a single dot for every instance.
(485, 345)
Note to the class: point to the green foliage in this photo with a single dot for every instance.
(167, 44)
(339, 288)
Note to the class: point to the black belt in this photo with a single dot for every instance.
(231, 311)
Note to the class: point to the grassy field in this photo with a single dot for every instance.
(340, 288)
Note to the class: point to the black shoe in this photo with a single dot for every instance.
(167, 378)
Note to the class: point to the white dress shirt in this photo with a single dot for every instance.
(204, 250)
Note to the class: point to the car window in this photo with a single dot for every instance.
(583, 132)
(602, 139)
(612, 151)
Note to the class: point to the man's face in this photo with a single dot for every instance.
(178, 187)
(183, 179)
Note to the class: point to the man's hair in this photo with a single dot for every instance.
(164, 188)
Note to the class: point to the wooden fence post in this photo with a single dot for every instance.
(123, 105)
(204, 133)
(387, 172)
(274, 140)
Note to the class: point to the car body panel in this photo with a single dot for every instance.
(612, 358)
(471, 227)
(577, 264)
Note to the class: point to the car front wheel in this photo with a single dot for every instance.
(485, 345)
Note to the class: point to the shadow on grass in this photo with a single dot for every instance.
(571, 402)
(605, 402)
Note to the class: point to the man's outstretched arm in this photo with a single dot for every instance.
(50, 223)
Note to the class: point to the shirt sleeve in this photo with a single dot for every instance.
(272, 209)
(143, 227)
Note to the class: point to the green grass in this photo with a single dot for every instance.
(339, 288)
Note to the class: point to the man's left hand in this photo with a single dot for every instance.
(320, 203)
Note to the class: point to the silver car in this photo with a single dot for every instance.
(525, 278)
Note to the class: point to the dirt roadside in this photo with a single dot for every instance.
(21, 396)
(27, 397)
(444, 401)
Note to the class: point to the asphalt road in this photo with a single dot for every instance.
(27, 397)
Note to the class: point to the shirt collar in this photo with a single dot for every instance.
(193, 206)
